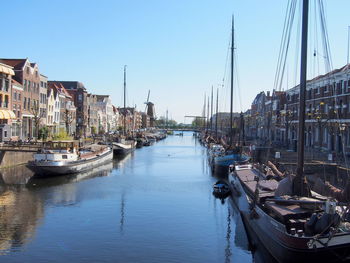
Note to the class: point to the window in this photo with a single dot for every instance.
(6, 104)
(325, 134)
(29, 85)
(80, 97)
(15, 96)
(28, 70)
(25, 103)
(7, 85)
(5, 134)
(19, 97)
(64, 156)
(28, 104)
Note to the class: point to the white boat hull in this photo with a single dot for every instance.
(52, 168)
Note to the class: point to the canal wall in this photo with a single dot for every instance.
(14, 158)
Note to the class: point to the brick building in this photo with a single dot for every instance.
(27, 74)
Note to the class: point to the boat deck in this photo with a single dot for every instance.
(266, 187)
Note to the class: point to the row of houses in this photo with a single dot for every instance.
(273, 117)
(30, 103)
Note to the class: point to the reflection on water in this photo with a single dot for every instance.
(20, 212)
(228, 252)
(103, 170)
(154, 205)
(16, 175)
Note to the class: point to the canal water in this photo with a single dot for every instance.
(155, 205)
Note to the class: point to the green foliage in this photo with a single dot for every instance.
(198, 122)
(61, 135)
(43, 133)
(93, 130)
(162, 123)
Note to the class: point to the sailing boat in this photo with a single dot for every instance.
(123, 146)
(221, 160)
(299, 226)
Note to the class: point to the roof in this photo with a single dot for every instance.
(17, 64)
(70, 85)
(15, 82)
(102, 97)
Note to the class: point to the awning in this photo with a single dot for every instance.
(7, 114)
(27, 115)
(6, 70)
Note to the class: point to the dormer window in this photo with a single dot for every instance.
(28, 71)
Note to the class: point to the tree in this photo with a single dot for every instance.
(43, 133)
(35, 110)
(198, 122)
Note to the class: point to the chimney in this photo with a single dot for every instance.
(268, 93)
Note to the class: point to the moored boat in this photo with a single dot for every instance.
(221, 189)
(64, 157)
(294, 223)
(124, 147)
(293, 229)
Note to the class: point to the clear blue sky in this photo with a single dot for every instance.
(175, 48)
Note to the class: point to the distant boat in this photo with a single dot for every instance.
(64, 157)
(224, 160)
(124, 147)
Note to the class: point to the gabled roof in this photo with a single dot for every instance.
(15, 82)
(102, 97)
(70, 85)
(17, 64)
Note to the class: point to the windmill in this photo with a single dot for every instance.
(149, 110)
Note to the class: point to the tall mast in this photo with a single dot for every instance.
(167, 119)
(204, 110)
(231, 97)
(124, 100)
(208, 114)
(211, 109)
(216, 115)
(303, 72)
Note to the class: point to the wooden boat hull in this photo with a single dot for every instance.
(52, 168)
(272, 234)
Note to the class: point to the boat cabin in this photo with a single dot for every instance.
(58, 151)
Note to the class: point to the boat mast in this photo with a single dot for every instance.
(204, 111)
(211, 109)
(231, 97)
(124, 100)
(301, 124)
(216, 115)
(208, 114)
